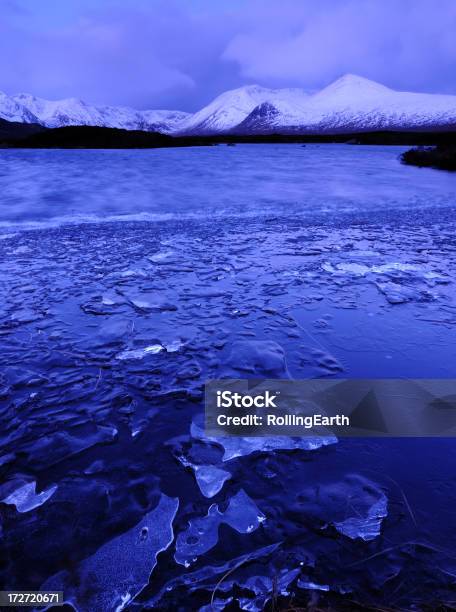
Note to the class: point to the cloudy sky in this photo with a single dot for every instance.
(180, 54)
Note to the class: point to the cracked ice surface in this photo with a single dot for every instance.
(108, 331)
(267, 306)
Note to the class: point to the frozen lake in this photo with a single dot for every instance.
(54, 186)
(344, 267)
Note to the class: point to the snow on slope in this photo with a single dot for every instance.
(350, 104)
(164, 120)
(71, 111)
(13, 111)
(230, 108)
(353, 103)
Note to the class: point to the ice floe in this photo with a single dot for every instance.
(354, 506)
(209, 478)
(25, 498)
(365, 527)
(206, 578)
(236, 446)
(201, 535)
(312, 586)
(118, 571)
(152, 349)
(260, 357)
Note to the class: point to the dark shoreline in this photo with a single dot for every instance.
(17, 135)
(441, 157)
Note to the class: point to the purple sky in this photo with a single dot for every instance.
(182, 53)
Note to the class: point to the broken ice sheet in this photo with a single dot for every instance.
(53, 448)
(399, 294)
(236, 446)
(362, 269)
(148, 302)
(351, 268)
(209, 478)
(25, 498)
(263, 357)
(312, 586)
(121, 568)
(132, 354)
(110, 298)
(261, 586)
(201, 534)
(207, 577)
(365, 527)
(171, 346)
(113, 331)
(161, 256)
(264, 586)
(354, 506)
(174, 345)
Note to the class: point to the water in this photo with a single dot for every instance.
(42, 187)
(332, 261)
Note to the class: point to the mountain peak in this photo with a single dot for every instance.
(256, 92)
(251, 88)
(353, 83)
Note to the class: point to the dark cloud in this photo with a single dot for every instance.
(407, 44)
(181, 53)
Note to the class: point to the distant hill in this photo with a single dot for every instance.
(32, 136)
(91, 137)
(14, 129)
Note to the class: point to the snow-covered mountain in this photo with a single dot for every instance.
(350, 104)
(13, 111)
(229, 109)
(71, 111)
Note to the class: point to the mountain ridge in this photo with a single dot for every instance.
(355, 104)
(27, 108)
(349, 104)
